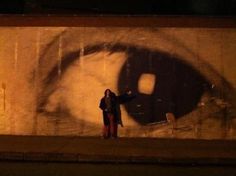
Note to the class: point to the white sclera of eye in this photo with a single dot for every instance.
(146, 83)
(84, 84)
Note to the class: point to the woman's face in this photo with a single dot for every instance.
(187, 71)
(108, 92)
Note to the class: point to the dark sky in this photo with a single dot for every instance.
(120, 7)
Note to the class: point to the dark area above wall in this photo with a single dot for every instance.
(121, 7)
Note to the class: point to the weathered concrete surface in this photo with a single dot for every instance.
(121, 150)
(41, 155)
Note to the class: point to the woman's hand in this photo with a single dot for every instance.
(129, 92)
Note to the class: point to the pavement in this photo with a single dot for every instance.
(121, 150)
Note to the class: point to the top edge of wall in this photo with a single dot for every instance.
(117, 21)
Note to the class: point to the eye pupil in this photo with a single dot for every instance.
(177, 91)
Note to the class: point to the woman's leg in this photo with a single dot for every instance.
(106, 127)
(113, 126)
(106, 131)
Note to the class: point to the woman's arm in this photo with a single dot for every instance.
(126, 97)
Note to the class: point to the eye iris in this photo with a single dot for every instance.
(178, 90)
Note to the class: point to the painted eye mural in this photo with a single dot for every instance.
(175, 87)
(165, 68)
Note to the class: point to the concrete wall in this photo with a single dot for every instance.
(52, 80)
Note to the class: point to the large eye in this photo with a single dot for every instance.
(163, 81)
(176, 86)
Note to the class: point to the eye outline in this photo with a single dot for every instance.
(107, 46)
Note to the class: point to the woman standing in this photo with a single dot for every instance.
(108, 105)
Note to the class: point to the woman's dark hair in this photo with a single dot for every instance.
(112, 94)
(106, 91)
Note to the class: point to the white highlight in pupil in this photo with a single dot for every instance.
(146, 83)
